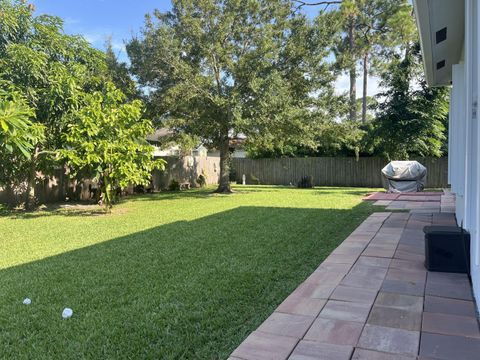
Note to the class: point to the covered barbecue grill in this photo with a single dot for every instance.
(404, 176)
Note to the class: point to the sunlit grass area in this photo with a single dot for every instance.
(183, 275)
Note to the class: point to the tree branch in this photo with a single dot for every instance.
(302, 3)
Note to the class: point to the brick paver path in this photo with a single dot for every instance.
(372, 299)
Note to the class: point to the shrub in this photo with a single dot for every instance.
(174, 185)
(252, 180)
(202, 180)
(232, 174)
(306, 182)
(139, 189)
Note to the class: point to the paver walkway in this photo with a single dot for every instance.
(421, 202)
(372, 299)
(420, 196)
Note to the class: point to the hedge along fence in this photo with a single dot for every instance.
(332, 171)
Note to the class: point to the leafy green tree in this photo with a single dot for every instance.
(371, 29)
(347, 48)
(383, 26)
(411, 120)
(51, 70)
(62, 81)
(218, 68)
(107, 140)
(368, 31)
(331, 138)
(119, 73)
(17, 133)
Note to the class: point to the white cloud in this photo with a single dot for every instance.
(71, 21)
(119, 46)
(95, 38)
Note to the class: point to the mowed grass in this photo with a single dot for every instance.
(167, 276)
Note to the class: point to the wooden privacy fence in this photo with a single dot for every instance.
(47, 189)
(187, 169)
(332, 171)
(326, 171)
(58, 187)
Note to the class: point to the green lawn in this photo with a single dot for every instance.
(168, 276)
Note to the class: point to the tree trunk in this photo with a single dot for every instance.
(224, 182)
(30, 200)
(11, 200)
(353, 71)
(365, 85)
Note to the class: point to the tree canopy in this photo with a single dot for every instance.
(107, 138)
(17, 132)
(217, 68)
(412, 118)
(47, 80)
(214, 69)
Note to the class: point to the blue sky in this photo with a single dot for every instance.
(97, 20)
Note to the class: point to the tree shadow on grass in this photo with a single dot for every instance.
(88, 209)
(170, 195)
(204, 193)
(56, 209)
(186, 290)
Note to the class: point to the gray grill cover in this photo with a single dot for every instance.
(404, 176)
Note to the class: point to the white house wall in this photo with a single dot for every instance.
(465, 133)
(462, 62)
(457, 144)
(473, 182)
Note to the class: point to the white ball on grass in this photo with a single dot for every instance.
(27, 301)
(67, 312)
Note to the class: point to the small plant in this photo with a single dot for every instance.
(202, 180)
(306, 182)
(232, 174)
(139, 189)
(174, 185)
(253, 180)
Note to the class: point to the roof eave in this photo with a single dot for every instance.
(422, 17)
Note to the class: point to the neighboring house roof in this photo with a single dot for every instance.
(169, 148)
(159, 134)
(442, 32)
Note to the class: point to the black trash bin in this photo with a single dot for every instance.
(447, 249)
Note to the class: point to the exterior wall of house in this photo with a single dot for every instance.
(237, 154)
(172, 151)
(472, 196)
(457, 146)
(464, 172)
(177, 151)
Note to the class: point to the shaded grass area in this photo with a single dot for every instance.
(167, 276)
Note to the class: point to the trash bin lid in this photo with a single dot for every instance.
(436, 229)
